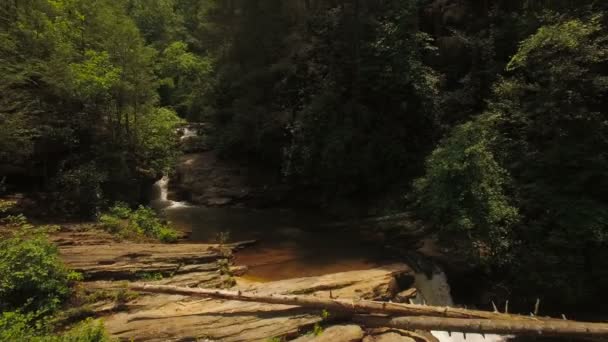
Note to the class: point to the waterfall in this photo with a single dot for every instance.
(161, 193)
(436, 291)
(188, 132)
(163, 186)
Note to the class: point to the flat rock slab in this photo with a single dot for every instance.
(336, 333)
(397, 335)
(388, 337)
(72, 236)
(184, 263)
(180, 318)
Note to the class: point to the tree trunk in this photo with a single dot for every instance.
(434, 318)
(489, 326)
(346, 305)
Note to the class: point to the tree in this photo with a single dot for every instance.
(369, 116)
(540, 148)
(466, 192)
(81, 90)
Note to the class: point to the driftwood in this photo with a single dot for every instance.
(167, 317)
(435, 318)
(489, 326)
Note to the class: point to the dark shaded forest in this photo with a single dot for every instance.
(487, 119)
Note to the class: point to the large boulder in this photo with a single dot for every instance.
(205, 179)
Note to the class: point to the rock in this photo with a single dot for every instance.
(238, 271)
(336, 333)
(194, 137)
(404, 296)
(169, 317)
(73, 236)
(187, 264)
(341, 333)
(397, 335)
(388, 337)
(211, 181)
(218, 201)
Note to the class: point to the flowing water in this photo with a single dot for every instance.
(288, 245)
(435, 290)
(160, 194)
(293, 244)
(188, 132)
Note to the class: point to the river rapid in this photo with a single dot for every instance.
(293, 244)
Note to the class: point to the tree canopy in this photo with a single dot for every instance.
(485, 118)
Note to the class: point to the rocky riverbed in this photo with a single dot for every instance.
(107, 263)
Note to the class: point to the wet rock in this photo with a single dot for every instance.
(194, 137)
(210, 181)
(238, 271)
(219, 201)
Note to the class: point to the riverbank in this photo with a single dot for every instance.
(109, 265)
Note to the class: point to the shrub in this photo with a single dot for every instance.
(32, 277)
(87, 331)
(121, 210)
(167, 235)
(123, 221)
(147, 220)
(465, 191)
(6, 206)
(17, 326)
(112, 224)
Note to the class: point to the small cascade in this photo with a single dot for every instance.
(188, 132)
(161, 193)
(436, 291)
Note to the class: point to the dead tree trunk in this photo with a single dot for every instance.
(345, 305)
(435, 318)
(489, 326)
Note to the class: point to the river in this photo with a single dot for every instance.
(293, 244)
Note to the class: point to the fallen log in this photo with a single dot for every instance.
(430, 317)
(488, 326)
(344, 305)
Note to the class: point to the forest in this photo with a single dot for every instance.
(487, 120)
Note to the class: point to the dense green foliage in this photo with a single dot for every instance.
(15, 326)
(32, 277)
(143, 221)
(465, 190)
(540, 151)
(489, 115)
(79, 114)
(35, 285)
(337, 96)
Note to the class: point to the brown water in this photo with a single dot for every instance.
(294, 244)
(290, 244)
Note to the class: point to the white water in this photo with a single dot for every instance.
(161, 189)
(188, 133)
(436, 291)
